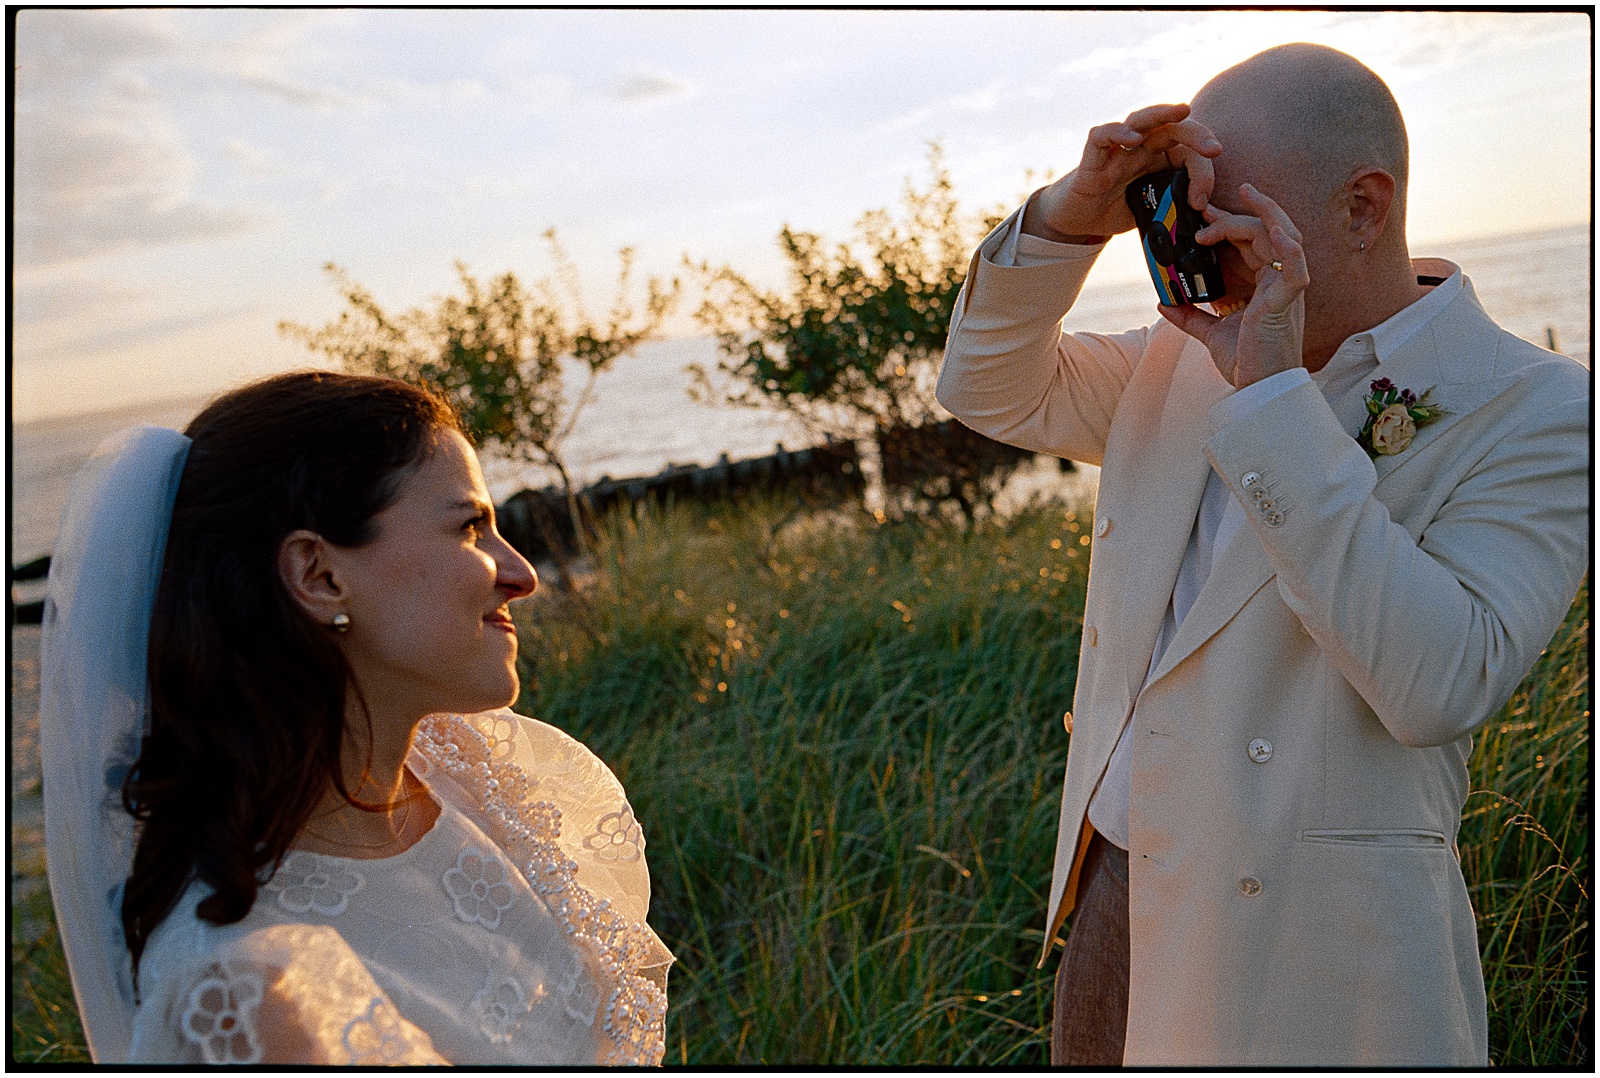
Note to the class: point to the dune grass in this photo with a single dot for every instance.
(44, 1017)
(844, 740)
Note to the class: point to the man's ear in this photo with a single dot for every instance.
(1371, 194)
(306, 567)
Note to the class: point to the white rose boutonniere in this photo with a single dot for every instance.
(1393, 416)
(1392, 430)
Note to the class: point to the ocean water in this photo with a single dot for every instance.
(643, 419)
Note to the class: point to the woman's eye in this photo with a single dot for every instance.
(477, 525)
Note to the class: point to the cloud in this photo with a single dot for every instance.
(649, 87)
(40, 299)
(295, 93)
(126, 335)
(1105, 58)
(538, 91)
(332, 191)
(67, 54)
(409, 94)
(1402, 46)
(55, 47)
(986, 99)
(93, 181)
(253, 160)
(904, 122)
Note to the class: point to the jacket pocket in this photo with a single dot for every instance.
(1396, 837)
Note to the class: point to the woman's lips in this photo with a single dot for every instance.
(501, 620)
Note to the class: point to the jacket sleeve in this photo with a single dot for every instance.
(1434, 629)
(1009, 371)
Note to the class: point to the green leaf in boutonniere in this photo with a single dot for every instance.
(1393, 416)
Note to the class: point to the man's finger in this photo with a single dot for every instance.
(1108, 135)
(1202, 177)
(1151, 117)
(1249, 234)
(1192, 320)
(1229, 226)
(1291, 257)
(1191, 133)
(1109, 140)
(1270, 213)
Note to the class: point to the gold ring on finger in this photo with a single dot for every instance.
(1277, 266)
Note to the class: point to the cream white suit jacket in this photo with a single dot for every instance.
(1302, 903)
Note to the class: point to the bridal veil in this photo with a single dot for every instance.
(92, 707)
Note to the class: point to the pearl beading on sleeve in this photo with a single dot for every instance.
(634, 1014)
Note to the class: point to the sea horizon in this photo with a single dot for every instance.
(643, 420)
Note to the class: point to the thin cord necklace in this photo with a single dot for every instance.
(405, 819)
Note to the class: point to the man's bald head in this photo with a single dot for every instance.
(1320, 114)
(1318, 133)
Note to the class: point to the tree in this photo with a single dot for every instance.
(853, 347)
(497, 353)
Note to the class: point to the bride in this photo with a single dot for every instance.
(288, 816)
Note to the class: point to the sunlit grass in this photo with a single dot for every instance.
(44, 1018)
(844, 740)
(1525, 852)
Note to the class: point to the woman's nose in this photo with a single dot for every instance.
(516, 575)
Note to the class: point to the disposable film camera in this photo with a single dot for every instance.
(1184, 271)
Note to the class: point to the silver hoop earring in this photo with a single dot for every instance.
(341, 623)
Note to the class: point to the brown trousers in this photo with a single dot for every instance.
(1091, 1013)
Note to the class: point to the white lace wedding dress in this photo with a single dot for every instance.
(513, 932)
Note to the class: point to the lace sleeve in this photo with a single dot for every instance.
(565, 821)
(286, 994)
(600, 832)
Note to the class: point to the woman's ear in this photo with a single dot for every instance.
(306, 567)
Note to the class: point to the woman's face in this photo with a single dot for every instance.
(427, 598)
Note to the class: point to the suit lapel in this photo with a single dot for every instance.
(1237, 573)
(1174, 472)
(1453, 354)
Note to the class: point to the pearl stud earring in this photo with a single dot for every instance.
(341, 623)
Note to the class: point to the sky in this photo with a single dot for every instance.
(182, 175)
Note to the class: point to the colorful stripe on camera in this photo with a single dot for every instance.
(1165, 277)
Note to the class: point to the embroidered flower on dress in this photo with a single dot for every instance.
(480, 888)
(629, 1007)
(307, 883)
(616, 837)
(580, 997)
(221, 1018)
(375, 1038)
(501, 1006)
(1393, 416)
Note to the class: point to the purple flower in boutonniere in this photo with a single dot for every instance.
(1393, 416)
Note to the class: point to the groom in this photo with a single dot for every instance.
(1297, 612)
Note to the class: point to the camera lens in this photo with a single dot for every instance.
(1161, 246)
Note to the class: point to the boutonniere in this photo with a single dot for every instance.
(1393, 416)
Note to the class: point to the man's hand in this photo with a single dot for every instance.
(1086, 205)
(1266, 336)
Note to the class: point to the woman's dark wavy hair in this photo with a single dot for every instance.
(247, 692)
